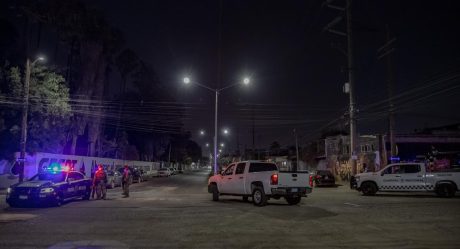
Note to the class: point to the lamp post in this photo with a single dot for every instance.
(187, 80)
(25, 109)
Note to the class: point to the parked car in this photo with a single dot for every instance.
(114, 179)
(324, 178)
(164, 172)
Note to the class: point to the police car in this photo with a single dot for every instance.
(51, 187)
(408, 177)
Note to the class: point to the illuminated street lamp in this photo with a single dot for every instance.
(222, 145)
(187, 80)
(207, 144)
(202, 132)
(25, 110)
(226, 131)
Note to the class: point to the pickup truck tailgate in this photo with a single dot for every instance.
(293, 179)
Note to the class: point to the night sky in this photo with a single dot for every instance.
(296, 72)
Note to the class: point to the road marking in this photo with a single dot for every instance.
(352, 204)
(8, 217)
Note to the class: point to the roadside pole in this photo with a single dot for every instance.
(25, 109)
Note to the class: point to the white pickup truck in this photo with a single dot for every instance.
(261, 181)
(408, 177)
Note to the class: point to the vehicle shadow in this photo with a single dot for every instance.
(408, 195)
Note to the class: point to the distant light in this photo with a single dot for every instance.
(226, 131)
(40, 58)
(222, 145)
(186, 80)
(246, 81)
(207, 145)
(202, 132)
(220, 150)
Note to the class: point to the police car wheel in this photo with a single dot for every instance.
(445, 190)
(58, 201)
(368, 188)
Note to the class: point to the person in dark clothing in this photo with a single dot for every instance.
(126, 181)
(100, 183)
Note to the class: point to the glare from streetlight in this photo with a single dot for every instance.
(246, 80)
(186, 80)
(207, 144)
(222, 145)
(220, 151)
(226, 131)
(40, 58)
(201, 132)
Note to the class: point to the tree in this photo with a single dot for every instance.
(49, 110)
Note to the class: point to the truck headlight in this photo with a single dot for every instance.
(46, 190)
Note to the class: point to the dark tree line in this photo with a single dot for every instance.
(131, 118)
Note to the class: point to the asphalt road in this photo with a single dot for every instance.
(177, 212)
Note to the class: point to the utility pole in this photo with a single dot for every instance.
(353, 137)
(387, 51)
(349, 54)
(25, 110)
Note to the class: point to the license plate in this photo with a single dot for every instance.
(293, 189)
(23, 197)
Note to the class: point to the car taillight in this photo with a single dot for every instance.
(274, 179)
(311, 181)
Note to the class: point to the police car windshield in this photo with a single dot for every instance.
(57, 177)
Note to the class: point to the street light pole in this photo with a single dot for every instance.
(25, 110)
(215, 132)
(187, 80)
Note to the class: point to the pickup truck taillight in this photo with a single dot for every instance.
(311, 181)
(274, 179)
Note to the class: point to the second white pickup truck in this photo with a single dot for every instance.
(408, 177)
(261, 181)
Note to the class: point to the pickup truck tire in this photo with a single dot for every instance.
(215, 193)
(258, 197)
(445, 190)
(293, 200)
(368, 188)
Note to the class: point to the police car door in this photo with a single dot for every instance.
(390, 178)
(78, 182)
(72, 185)
(411, 177)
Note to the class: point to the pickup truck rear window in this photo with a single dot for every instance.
(259, 167)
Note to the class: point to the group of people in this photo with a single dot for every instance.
(100, 182)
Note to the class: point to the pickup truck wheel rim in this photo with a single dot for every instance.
(257, 196)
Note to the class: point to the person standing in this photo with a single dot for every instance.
(126, 180)
(100, 182)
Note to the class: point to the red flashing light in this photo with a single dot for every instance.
(274, 179)
(311, 181)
